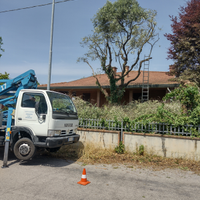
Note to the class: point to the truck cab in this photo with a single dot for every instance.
(41, 119)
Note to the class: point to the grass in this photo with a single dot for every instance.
(94, 154)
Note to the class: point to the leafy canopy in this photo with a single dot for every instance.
(185, 41)
(121, 30)
(117, 17)
(4, 76)
(188, 95)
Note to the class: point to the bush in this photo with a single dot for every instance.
(182, 108)
(141, 150)
(132, 110)
(120, 149)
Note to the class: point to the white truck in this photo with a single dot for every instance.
(35, 118)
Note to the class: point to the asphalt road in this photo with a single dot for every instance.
(45, 178)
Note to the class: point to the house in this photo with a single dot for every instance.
(86, 88)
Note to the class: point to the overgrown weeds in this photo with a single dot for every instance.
(141, 150)
(132, 110)
(94, 154)
(120, 149)
(146, 114)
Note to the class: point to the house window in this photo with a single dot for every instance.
(86, 97)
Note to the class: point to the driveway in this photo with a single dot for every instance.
(46, 178)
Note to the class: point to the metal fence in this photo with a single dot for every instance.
(140, 127)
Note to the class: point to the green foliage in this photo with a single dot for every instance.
(133, 111)
(193, 75)
(4, 76)
(189, 108)
(120, 149)
(88, 111)
(114, 18)
(183, 109)
(141, 150)
(188, 96)
(121, 29)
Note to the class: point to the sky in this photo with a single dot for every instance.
(26, 37)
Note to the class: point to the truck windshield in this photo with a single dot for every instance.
(61, 104)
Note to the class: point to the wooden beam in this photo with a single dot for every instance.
(130, 95)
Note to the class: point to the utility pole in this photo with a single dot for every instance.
(51, 44)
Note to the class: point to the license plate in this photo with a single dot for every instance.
(71, 139)
(68, 125)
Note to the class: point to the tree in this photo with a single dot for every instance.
(4, 76)
(185, 42)
(121, 30)
(0, 46)
(191, 75)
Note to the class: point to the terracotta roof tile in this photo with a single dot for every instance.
(155, 77)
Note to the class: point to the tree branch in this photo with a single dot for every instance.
(139, 72)
(97, 80)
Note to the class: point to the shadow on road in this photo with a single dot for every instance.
(39, 159)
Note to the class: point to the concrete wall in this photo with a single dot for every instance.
(161, 145)
(104, 138)
(166, 146)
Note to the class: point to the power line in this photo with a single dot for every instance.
(16, 9)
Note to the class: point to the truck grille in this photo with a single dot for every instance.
(63, 132)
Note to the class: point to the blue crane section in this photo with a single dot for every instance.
(26, 80)
(35, 118)
(10, 90)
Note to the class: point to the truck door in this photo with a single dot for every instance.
(33, 113)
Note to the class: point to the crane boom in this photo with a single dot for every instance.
(35, 118)
(26, 80)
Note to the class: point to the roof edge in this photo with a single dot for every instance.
(107, 86)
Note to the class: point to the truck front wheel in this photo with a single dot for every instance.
(24, 149)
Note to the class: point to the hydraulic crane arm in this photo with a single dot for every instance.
(11, 89)
(26, 80)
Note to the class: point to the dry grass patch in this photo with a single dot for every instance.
(95, 154)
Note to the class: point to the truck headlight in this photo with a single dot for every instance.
(52, 133)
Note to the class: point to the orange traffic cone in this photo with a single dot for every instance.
(83, 180)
